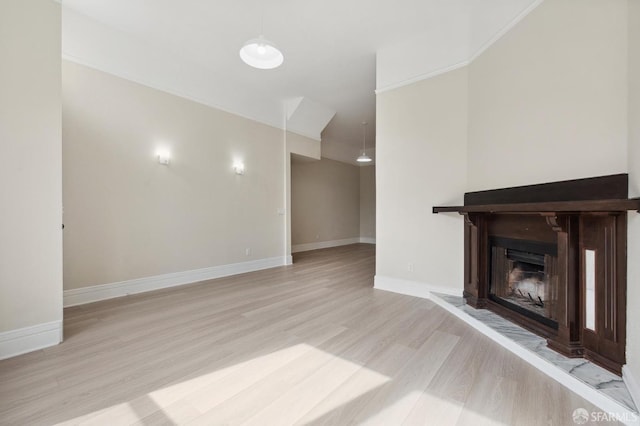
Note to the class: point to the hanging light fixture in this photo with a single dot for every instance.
(364, 158)
(261, 53)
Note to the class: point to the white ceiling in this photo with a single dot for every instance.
(190, 48)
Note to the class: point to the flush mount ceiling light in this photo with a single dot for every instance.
(364, 158)
(261, 53)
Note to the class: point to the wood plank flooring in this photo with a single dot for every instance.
(311, 343)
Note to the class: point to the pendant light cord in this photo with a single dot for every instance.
(364, 136)
(262, 19)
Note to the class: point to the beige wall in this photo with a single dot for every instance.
(127, 216)
(325, 201)
(547, 101)
(421, 145)
(30, 148)
(368, 202)
(633, 284)
(301, 147)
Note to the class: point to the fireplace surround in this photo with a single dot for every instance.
(552, 258)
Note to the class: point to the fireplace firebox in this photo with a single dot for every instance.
(523, 278)
(552, 258)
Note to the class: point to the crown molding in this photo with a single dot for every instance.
(510, 25)
(421, 77)
(497, 36)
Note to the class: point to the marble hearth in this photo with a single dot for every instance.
(601, 387)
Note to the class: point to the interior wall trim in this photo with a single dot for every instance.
(29, 339)
(473, 55)
(420, 77)
(497, 36)
(412, 288)
(297, 248)
(633, 385)
(80, 296)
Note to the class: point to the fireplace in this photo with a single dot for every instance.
(524, 274)
(552, 258)
(524, 279)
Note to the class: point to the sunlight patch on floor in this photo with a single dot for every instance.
(202, 395)
(366, 381)
(423, 408)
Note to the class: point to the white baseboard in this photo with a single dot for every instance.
(289, 260)
(29, 339)
(412, 288)
(96, 293)
(297, 248)
(633, 385)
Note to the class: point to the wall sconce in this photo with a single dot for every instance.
(238, 168)
(163, 157)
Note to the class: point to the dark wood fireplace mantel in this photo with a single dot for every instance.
(585, 222)
(593, 206)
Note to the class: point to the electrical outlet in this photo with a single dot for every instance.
(410, 267)
(247, 252)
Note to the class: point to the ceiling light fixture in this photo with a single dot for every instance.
(261, 53)
(364, 158)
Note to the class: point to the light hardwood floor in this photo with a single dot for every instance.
(311, 343)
